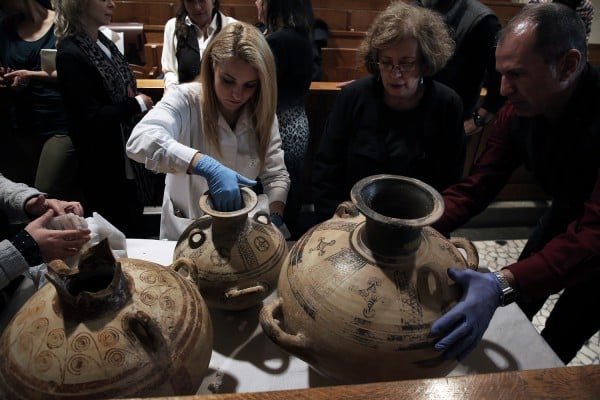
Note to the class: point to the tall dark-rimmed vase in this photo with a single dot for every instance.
(359, 292)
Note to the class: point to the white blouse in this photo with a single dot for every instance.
(168, 59)
(167, 139)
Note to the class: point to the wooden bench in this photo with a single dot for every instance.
(242, 12)
(146, 12)
(341, 64)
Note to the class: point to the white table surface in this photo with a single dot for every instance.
(246, 360)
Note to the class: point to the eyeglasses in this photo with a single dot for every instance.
(386, 66)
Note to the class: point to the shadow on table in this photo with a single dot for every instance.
(480, 361)
(231, 329)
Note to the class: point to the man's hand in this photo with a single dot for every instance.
(464, 325)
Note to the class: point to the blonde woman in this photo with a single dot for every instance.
(217, 132)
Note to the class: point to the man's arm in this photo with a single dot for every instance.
(569, 258)
(492, 170)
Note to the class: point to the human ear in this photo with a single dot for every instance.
(570, 64)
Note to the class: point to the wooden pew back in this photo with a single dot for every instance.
(341, 64)
(146, 12)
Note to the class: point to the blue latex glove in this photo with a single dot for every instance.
(223, 183)
(276, 220)
(464, 325)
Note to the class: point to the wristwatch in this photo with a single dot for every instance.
(509, 294)
(478, 120)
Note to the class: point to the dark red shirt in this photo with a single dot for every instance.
(565, 157)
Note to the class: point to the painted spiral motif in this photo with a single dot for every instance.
(109, 337)
(56, 338)
(81, 342)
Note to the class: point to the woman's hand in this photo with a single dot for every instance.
(56, 244)
(17, 80)
(37, 206)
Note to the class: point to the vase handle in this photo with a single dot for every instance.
(147, 332)
(233, 293)
(186, 268)
(472, 257)
(346, 209)
(293, 344)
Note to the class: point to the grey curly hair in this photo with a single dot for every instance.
(401, 20)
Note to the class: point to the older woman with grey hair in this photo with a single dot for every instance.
(397, 120)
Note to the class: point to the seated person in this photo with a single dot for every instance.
(397, 120)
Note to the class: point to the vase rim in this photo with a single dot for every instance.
(249, 199)
(437, 201)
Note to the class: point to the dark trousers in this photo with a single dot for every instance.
(574, 318)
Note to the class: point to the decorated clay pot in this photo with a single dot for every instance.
(113, 328)
(238, 254)
(359, 292)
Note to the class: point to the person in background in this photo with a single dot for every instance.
(288, 31)
(474, 27)
(551, 123)
(102, 102)
(584, 8)
(320, 38)
(35, 243)
(186, 37)
(42, 151)
(397, 120)
(217, 132)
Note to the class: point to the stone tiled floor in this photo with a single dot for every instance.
(494, 254)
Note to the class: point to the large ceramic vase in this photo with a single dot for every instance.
(238, 255)
(113, 328)
(359, 292)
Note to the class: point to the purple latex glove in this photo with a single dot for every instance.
(223, 183)
(464, 325)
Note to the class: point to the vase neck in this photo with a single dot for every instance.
(88, 294)
(228, 225)
(390, 239)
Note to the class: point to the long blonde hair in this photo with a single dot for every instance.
(69, 19)
(245, 42)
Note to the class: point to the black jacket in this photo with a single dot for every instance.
(363, 137)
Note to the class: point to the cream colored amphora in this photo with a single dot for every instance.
(359, 292)
(125, 328)
(238, 254)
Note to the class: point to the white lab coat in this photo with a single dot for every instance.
(169, 136)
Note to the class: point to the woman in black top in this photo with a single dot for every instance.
(102, 101)
(288, 26)
(187, 35)
(42, 153)
(397, 120)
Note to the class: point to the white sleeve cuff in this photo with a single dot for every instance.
(141, 103)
